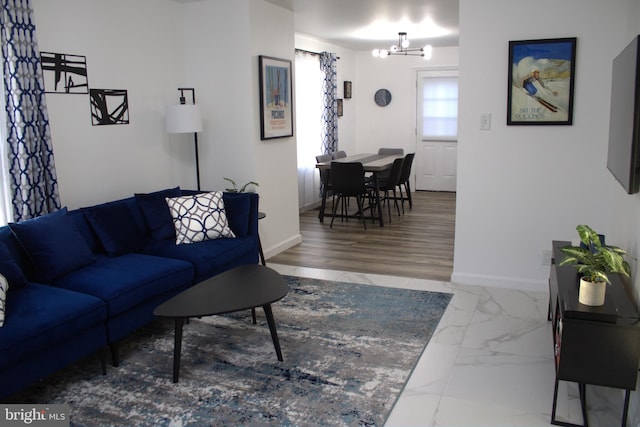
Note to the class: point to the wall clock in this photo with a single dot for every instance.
(382, 97)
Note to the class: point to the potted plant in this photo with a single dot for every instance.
(235, 189)
(594, 261)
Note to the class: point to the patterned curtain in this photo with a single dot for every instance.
(34, 184)
(330, 94)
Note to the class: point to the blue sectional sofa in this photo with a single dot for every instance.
(82, 280)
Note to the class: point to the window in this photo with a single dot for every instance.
(308, 104)
(440, 106)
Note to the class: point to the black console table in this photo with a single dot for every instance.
(592, 345)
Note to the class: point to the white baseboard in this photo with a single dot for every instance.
(517, 283)
(282, 246)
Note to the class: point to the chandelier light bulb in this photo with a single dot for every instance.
(383, 53)
(405, 43)
(427, 52)
(394, 48)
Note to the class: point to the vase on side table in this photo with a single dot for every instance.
(592, 293)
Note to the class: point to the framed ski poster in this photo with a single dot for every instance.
(541, 80)
(276, 100)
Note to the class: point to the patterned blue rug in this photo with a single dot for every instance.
(348, 351)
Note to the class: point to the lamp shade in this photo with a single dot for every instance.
(183, 118)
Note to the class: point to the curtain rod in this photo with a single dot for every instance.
(311, 52)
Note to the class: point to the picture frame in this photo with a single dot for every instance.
(541, 80)
(109, 107)
(339, 107)
(64, 73)
(276, 98)
(347, 89)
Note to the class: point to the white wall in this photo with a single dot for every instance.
(100, 163)
(395, 124)
(519, 187)
(272, 34)
(150, 48)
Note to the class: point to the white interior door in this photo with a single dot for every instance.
(436, 166)
(437, 130)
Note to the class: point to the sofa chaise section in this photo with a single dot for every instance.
(46, 329)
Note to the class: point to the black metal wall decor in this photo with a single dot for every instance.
(64, 73)
(109, 107)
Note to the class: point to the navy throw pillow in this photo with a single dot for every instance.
(53, 243)
(10, 269)
(156, 212)
(116, 229)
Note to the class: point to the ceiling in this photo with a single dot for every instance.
(367, 24)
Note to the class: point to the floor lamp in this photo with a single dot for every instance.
(185, 118)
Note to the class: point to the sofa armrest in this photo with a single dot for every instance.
(242, 213)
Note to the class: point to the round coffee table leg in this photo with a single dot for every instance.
(177, 349)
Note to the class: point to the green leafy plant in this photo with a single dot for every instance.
(595, 261)
(235, 188)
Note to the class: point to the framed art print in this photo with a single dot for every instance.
(347, 89)
(109, 107)
(64, 73)
(276, 106)
(541, 81)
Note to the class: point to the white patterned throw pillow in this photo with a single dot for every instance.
(4, 287)
(199, 217)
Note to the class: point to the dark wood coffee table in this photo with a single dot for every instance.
(241, 288)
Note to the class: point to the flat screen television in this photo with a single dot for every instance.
(623, 158)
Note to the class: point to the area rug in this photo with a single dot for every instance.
(348, 351)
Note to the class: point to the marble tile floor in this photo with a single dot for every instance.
(489, 363)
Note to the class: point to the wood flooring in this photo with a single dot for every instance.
(417, 244)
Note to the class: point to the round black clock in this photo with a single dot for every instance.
(382, 97)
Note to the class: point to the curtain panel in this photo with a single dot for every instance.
(329, 97)
(32, 175)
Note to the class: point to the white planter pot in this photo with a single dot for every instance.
(592, 293)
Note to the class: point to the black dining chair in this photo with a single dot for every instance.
(325, 179)
(388, 185)
(389, 151)
(348, 181)
(339, 154)
(405, 178)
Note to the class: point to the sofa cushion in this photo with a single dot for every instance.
(209, 257)
(199, 217)
(10, 269)
(53, 243)
(237, 207)
(39, 317)
(116, 229)
(156, 212)
(128, 280)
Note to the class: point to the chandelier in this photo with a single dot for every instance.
(402, 48)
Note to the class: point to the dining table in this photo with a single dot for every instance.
(373, 163)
